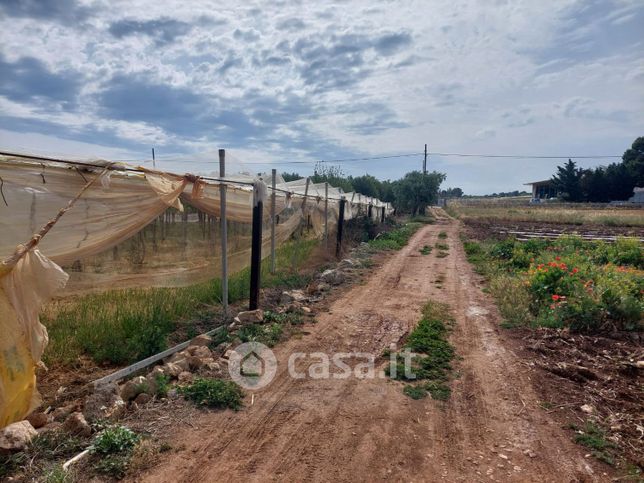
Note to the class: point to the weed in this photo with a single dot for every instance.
(442, 246)
(594, 437)
(114, 439)
(293, 318)
(426, 250)
(396, 238)
(213, 393)
(415, 392)
(56, 474)
(432, 354)
(442, 235)
(442, 254)
(268, 334)
(163, 384)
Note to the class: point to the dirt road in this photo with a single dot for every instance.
(366, 429)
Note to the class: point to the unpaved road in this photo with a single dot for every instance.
(366, 429)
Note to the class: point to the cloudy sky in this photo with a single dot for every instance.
(287, 81)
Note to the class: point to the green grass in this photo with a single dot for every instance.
(593, 437)
(442, 246)
(396, 238)
(426, 250)
(213, 393)
(431, 362)
(442, 235)
(267, 334)
(123, 326)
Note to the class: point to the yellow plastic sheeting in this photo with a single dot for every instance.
(24, 288)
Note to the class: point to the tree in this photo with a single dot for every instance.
(633, 160)
(567, 181)
(367, 185)
(416, 191)
(452, 193)
(291, 176)
(332, 175)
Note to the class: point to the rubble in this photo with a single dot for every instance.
(202, 340)
(250, 317)
(16, 436)
(38, 420)
(77, 425)
(104, 403)
(134, 387)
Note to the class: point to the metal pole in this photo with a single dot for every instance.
(326, 214)
(273, 183)
(306, 193)
(154, 164)
(256, 249)
(338, 244)
(224, 233)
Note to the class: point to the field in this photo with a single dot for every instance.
(593, 215)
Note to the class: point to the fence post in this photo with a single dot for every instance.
(273, 183)
(370, 211)
(338, 244)
(382, 217)
(224, 232)
(326, 214)
(256, 249)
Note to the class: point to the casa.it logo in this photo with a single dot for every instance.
(252, 365)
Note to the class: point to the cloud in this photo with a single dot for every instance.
(291, 24)
(392, 43)
(162, 30)
(64, 11)
(178, 110)
(28, 80)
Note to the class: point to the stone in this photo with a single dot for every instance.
(38, 420)
(251, 317)
(185, 376)
(201, 340)
(104, 403)
(332, 277)
(77, 425)
(213, 366)
(183, 364)
(639, 364)
(322, 287)
(202, 353)
(291, 296)
(16, 436)
(587, 408)
(306, 310)
(172, 370)
(60, 414)
(142, 398)
(346, 263)
(134, 387)
(194, 363)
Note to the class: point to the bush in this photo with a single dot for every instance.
(114, 440)
(214, 393)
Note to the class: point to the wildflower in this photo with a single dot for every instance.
(557, 258)
(555, 297)
(575, 270)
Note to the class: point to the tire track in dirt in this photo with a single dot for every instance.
(366, 429)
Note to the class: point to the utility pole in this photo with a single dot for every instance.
(224, 232)
(425, 161)
(154, 164)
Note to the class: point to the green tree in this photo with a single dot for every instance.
(291, 176)
(567, 181)
(416, 191)
(333, 175)
(367, 185)
(633, 160)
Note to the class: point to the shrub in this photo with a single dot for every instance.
(214, 393)
(114, 440)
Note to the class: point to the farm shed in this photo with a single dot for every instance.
(542, 189)
(638, 195)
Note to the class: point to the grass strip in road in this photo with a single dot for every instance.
(430, 354)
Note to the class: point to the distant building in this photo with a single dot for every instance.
(638, 195)
(543, 189)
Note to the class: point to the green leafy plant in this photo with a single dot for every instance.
(426, 250)
(113, 440)
(213, 393)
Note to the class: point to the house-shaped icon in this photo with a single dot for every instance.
(252, 365)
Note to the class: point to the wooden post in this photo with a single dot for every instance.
(224, 232)
(370, 211)
(425, 161)
(273, 183)
(256, 249)
(338, 244)
(326, 214)
(382, 217)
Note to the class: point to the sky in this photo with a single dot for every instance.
(285, 83)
